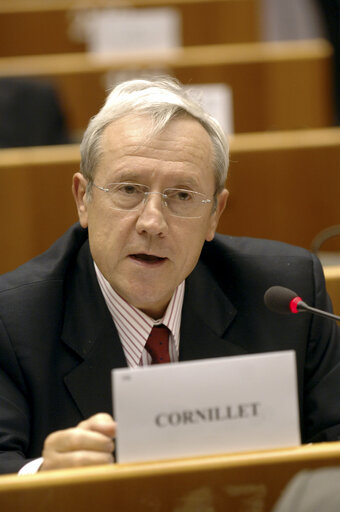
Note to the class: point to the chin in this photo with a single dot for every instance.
(150, 304)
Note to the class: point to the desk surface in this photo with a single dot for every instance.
(208, 483)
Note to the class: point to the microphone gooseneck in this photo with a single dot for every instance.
(283, 300)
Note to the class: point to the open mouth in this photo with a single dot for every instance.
(147, 258)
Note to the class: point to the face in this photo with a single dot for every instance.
(146, 254)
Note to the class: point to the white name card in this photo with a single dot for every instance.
(217, 99)
(132, 29)
(206, 407)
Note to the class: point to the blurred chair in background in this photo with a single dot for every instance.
(30, 114)
(330, 10)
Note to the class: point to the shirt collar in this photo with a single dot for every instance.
(134, 326)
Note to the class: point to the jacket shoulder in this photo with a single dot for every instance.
(243, 266)
(52, 265)
(254, 247)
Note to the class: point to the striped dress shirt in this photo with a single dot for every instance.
(134, 326)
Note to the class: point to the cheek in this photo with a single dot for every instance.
(191, 245)
(98, 228)
(109, 237)
(111, 233)
(104, 222)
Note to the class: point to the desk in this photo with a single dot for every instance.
(236, 482)
(30, 27)
(275, 86)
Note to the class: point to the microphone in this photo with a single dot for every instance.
(283, 300)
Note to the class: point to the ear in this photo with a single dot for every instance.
(215, 216)
(79, 184)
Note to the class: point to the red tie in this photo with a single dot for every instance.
(158, 344)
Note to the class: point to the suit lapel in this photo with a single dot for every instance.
(90, 332)
(206, 317)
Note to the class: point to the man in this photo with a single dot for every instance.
(149, 197)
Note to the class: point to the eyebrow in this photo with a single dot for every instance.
(179, 181)
(122, 176)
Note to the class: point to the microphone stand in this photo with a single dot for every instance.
(302, 307)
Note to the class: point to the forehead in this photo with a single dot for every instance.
(182, 144)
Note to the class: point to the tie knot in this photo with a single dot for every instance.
(158, 344)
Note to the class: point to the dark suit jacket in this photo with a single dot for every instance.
(58, 343)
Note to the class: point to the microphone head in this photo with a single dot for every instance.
(279, 299)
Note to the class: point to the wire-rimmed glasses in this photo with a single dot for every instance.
(179, 202)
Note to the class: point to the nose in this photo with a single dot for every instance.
(151, 218)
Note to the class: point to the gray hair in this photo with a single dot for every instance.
(162, 99)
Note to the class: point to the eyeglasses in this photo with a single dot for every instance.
(178, 201)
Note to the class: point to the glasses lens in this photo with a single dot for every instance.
(126, 196)
(184, 203)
